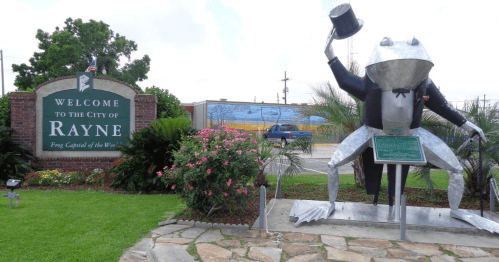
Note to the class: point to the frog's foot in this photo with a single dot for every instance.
(315, 212)
(476, 220)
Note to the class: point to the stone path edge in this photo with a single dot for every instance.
(205, 225)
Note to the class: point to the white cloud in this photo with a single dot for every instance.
(211, 49)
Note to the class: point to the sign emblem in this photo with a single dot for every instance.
(85, 81)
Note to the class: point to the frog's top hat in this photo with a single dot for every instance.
(344, 21)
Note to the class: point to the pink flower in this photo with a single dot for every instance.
(204, 158)
(225, 194)
(173, 187)
(226, 163)
(217, 146)
(245, 192)
(196, 153)
(159, 173)
(254, 142)
(173, 166)
(166, 167)
(209, 193)
(206, 193)
(253, 185)
(238, 191)
(208, 171)
(214, 152)
(229, 182)
(239, 152)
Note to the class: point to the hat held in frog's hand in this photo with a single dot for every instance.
(344, 21)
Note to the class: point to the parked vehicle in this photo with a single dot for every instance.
(284, 134)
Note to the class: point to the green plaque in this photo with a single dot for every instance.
(398, 150)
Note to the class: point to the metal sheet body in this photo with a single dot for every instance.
(399, 64)
(416, 217)
(396, 112)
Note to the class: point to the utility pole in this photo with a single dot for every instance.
(278, 98)
(285, 87)
(484, 103)
(1, 58)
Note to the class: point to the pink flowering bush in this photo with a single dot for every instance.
(212, 169)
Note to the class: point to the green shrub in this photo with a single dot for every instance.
(212, 169)
(149, 150)
(14, 157)
(4, 111)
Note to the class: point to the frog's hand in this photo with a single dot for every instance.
(322, 211)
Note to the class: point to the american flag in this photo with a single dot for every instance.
(93, 66)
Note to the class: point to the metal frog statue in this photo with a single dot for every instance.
(394, 90)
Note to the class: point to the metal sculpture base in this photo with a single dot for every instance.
(382, 216)
(12, 196)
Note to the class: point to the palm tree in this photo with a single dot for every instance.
(466, 151)
(343, 114)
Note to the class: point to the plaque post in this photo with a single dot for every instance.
(398, 182)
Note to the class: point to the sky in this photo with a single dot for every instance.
(240, 50)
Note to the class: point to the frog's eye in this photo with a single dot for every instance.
(413, 41)
(387, 41)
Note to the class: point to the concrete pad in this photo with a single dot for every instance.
(425, 249)
(278, 221)
(466, 251)
(370, 251)
(192, 232)
(178, 241)
(333, 241)
(442, 258)
(166, 252)
(168, 229)
(307, 258)
(266, 254)
(210, 236)
(336, 254)
(480, 259)
(209, 252)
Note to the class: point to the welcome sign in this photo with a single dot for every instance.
(85, 119)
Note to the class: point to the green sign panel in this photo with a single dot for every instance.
(398, 150)
(85, 119)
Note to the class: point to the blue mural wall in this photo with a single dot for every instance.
(257, 116)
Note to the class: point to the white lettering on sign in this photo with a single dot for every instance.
(55, 130)
(117, 130)
(102, 129)
(86, 102)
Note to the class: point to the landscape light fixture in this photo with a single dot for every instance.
(13, 184)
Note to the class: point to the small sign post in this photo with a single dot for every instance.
(398, 150)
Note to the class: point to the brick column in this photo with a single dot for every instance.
(145, 110)
(23, 118)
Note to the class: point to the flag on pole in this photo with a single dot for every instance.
(93, 65)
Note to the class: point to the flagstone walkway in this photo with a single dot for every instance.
(185, 243)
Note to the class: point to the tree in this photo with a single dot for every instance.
(343, 114)
(168, 104)
(5, 111)
(70, 50)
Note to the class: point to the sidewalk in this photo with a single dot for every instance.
(185, 243)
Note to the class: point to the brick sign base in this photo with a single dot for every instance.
(26, 120)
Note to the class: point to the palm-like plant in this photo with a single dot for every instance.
(466, 151)
(343, 114)
(288, 156)
(15, 158)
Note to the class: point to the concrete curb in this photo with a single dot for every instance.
(205, 225)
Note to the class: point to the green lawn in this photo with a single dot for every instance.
(60, 225)
(439, 177)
